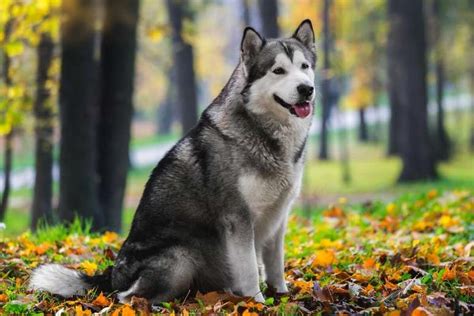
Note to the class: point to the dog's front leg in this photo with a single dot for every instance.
(273, 258)
(242, 257)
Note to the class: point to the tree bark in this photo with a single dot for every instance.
(442, 139)
(78, 112)
(183, 59)
(269, 15)
(246, 12)
(43, 189)
(117, 73)
(8, 150)
(7, 169)
(167, 111)
(325, 88)
(363, 134)
(409, 53)
(471, 66)
(392, 74)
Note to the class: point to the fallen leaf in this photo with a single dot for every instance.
(324, 258)
(369, 263)
(101, 300)
(89, 267)
(3, 298)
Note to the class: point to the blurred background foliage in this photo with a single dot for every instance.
(93, 93)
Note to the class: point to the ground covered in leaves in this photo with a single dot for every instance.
(413, 256)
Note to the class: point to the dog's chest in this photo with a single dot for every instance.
(268, 196)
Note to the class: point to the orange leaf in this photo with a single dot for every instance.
(125, 310)
(248, 313)
(432, 194)
(421, 311)
(101, 301)
(449, 274)
(369, 263)
(3, 298)
(389, 285)
(471, 275)
(41, 249)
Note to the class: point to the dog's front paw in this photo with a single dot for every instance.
(280, 287)
(259, 298)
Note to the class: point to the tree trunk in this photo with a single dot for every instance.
(471, 138)
(183, 59)
(363, 135)
(246, 12)
(43, 111)
(8, 151)
(392, 74)
(409, 53)
(269, 15)
(7, 169)
(167, 111)
(78, 112)
(116, 109)
(325, 89)
(442, 139)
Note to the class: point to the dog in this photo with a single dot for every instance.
(213, 213)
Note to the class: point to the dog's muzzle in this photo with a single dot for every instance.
(301, 109)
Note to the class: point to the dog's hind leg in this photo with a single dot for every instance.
(163, 277)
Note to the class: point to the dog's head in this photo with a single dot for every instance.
(280, 73)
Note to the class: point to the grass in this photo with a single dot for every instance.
(373, 177)
(411, 255)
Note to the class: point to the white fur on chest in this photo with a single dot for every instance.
(269, 199)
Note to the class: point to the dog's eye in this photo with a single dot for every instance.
(279, 71)
(304, 66)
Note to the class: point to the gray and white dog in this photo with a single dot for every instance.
(213, 213)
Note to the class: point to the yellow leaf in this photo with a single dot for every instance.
(324, 258)
(109, 237)
(305, 287)
(390, 208)
(89, 267)
(78, 311)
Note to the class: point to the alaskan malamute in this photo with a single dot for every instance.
(213, 213)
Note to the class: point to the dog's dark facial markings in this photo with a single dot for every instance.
(288, 50)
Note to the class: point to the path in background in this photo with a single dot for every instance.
(151, 154)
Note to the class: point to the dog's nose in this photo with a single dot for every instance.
(305, 90)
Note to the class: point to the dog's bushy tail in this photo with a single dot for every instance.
(57, 279)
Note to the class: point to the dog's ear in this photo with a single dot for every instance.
(251, 44)
(305, 34)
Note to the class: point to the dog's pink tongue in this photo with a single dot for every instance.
(302, 110)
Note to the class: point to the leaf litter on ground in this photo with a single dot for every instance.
(413, 256)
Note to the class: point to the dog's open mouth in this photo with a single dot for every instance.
(301, 110)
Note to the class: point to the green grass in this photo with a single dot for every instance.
(358, 259)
